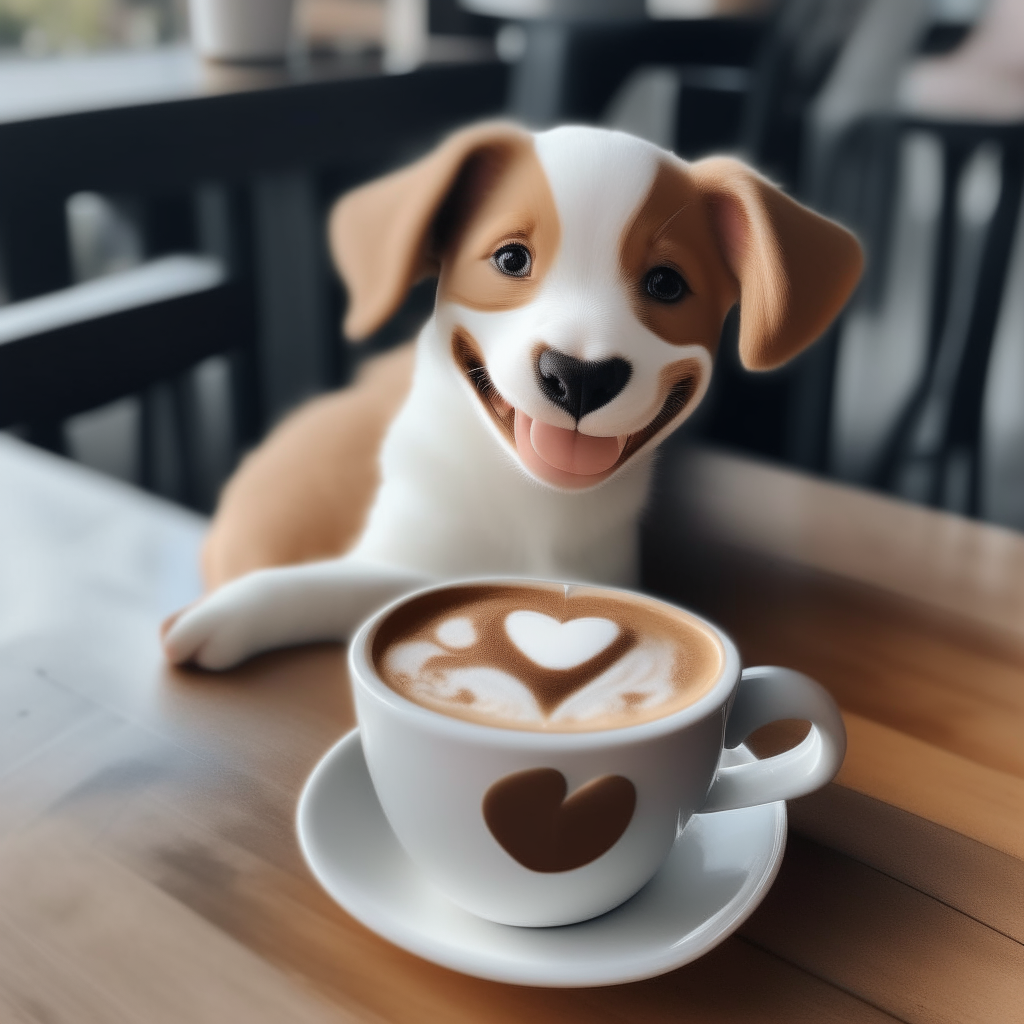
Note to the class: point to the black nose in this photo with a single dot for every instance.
(579, 387)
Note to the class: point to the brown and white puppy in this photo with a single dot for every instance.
(584, 276)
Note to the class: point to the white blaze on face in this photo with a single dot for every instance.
(598, 179)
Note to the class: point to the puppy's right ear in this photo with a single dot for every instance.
(381, 233)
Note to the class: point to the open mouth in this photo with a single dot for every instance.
(565, 458)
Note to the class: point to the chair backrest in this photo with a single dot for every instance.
(228, 194)
(761, 111)
(932, 449)
(86, 345)
(571, 70)
(794, 61)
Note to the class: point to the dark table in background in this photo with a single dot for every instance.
(161, 119)
(240, 163)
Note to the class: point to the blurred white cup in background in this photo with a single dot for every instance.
(241, 30)
(406, 34)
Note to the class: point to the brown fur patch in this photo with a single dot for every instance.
(470, 360)
(304, 494)
(679, 382)
(384, 235)
(672, 228)
(501, 196)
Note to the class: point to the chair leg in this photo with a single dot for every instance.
(48, 434)
(938, 436)
(809, 424)
(148, 439)
(159, 452)
(902, 446)
(967, 406)
(186, 443)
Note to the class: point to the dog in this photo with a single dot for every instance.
(584, 277)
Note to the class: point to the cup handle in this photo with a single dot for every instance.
(766, 694)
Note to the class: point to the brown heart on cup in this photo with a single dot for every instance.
(529, 815)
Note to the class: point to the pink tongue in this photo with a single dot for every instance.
(571, 451)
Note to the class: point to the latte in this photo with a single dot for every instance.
(546, 657)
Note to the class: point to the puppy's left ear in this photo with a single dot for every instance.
(795, 269)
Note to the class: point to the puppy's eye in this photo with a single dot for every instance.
(513, 260)
(665, 284)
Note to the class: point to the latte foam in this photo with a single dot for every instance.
(546, 657)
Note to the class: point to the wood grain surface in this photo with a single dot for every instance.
(149, 869)
(914, 620)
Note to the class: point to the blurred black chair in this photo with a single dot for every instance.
(799, 51)
(737, 85)
(570, 70)
(764, 120)
(87, 345)
(229, 194)
(932, 453)
(799, 58)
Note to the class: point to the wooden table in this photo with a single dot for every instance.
(149, 869)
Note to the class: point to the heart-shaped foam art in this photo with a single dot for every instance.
(559, 645)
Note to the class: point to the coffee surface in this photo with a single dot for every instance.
(546, 657)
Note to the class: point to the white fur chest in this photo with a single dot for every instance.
(454, 501)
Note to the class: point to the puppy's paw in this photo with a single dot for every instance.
(212, 634)
(165, 626)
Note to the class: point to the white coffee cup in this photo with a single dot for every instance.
(432, 773)
(241, 30)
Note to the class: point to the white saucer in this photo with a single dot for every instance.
(719, 870)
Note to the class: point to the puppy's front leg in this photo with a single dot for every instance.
(283, 606)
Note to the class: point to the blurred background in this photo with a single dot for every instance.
(165, 290)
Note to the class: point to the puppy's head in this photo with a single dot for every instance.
(584, 277)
